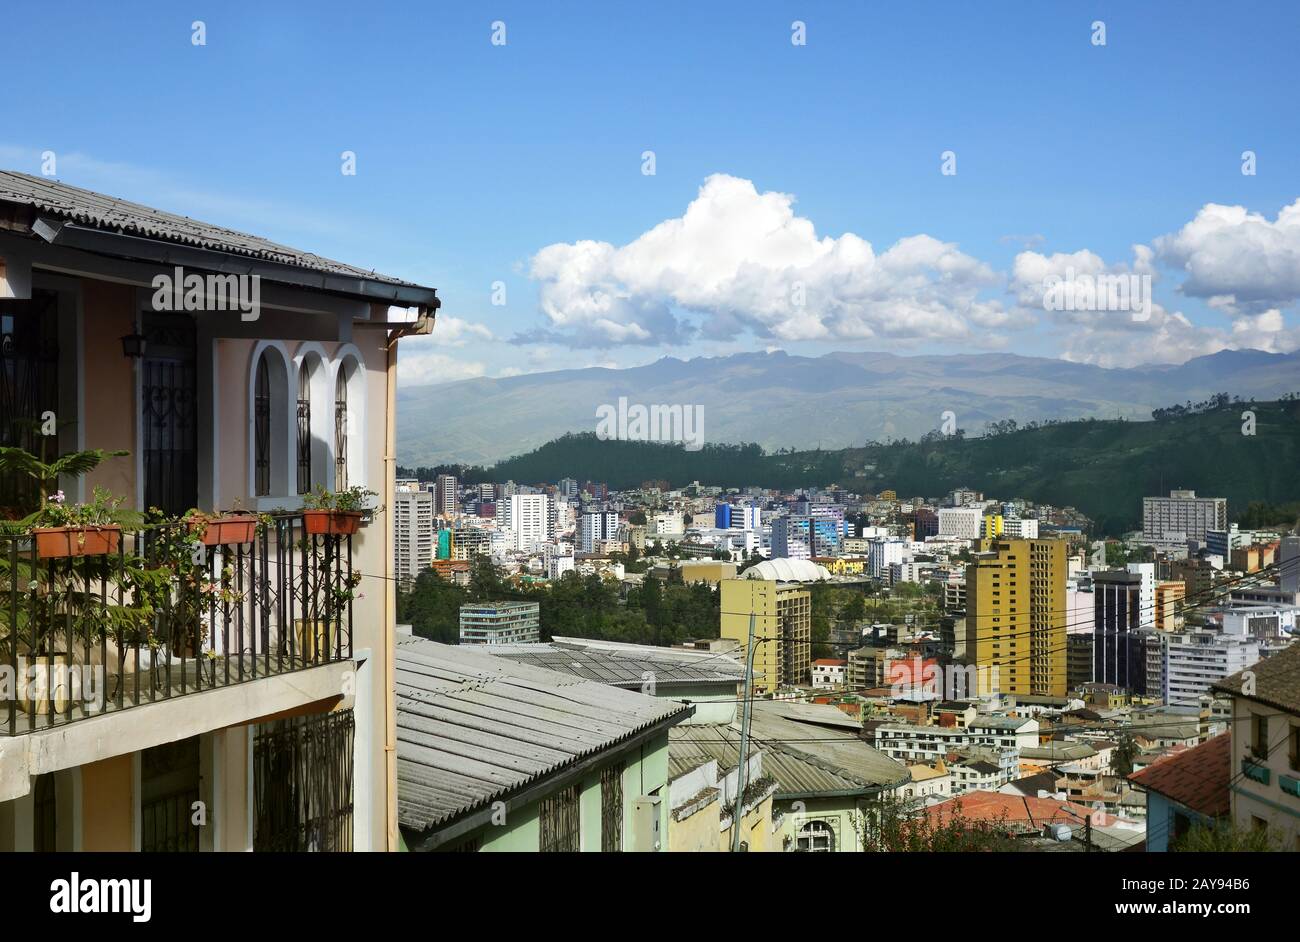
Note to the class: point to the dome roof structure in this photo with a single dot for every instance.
(787, 570)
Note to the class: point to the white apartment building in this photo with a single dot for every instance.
(963, 523)
(1002, 736)
(413, 532)
(1020, 528)
(829, 673)
(594, 528)
(881, 554)
(1182, 516)
(1196, 660)
(530, 519)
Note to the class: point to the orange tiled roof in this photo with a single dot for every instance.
(1196, 778)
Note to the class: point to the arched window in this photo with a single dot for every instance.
(816, 837)
(312, 432)
(349, 390)
(262, 429)
(341, 430)
(268, 448)
(304, 430)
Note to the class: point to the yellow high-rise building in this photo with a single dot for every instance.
(1015, 618)
(782, 629)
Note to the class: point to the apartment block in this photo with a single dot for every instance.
(782, 613)
(1015, 614)
(500, 623)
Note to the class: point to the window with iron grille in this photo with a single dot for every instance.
(611, 809)
(262, 428)
(302, 783)
(169, 789)
(304, 430)
(341, 431)
(560, 821)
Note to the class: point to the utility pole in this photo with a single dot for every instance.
(743, 765)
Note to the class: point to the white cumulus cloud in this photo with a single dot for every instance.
(741, 260)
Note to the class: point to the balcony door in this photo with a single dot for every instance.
(169, 413)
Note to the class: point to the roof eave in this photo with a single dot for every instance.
(122, 245)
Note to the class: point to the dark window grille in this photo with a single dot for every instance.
(262, 428)
(559, 820)
(341, 431)
(304, 430)
(169, 789)
(611, 809)
(29, 387)
(45, 814)
(302, 783)
(169, 417)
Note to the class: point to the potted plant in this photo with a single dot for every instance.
(336, 513)
(221, 529)
(62, 530)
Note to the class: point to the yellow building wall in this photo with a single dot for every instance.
(1015, 620)
(696, 833)
(108, 804)
(739, 598)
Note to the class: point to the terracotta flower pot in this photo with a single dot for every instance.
(62, 542)
(223, 531)
(331, 522)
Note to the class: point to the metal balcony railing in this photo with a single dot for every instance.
(164, 615)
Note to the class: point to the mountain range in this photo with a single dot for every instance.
(778, 400)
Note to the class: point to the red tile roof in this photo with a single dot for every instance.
(1195, 778)
(1014, 809)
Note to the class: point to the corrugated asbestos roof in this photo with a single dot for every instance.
(472, 727)
(87, 208)
(805, 760)
(625, 665)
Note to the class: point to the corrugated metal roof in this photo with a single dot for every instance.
(472, 727)
(87, 208)
(625, 665)
(805, 760)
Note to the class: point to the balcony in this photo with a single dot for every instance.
(168, 612)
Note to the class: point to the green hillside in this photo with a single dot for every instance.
(1101, 467)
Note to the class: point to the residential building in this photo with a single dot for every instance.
(595, 526)
(446, 490)
(529, 519)
(1186, 789)
(827, 776)
(250, 704)
(526, 783)
(1170, 596)
(828, 672)
(782, 615)
(1265, 733)
(702, 806)
(805, 536)
(963, 523)
(1015, 629)
(499, 623)
(1196, 660)
(1182, 516)
(413, 533)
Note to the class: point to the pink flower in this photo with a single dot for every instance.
(57, 498)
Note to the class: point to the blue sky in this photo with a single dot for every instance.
(473, 158)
